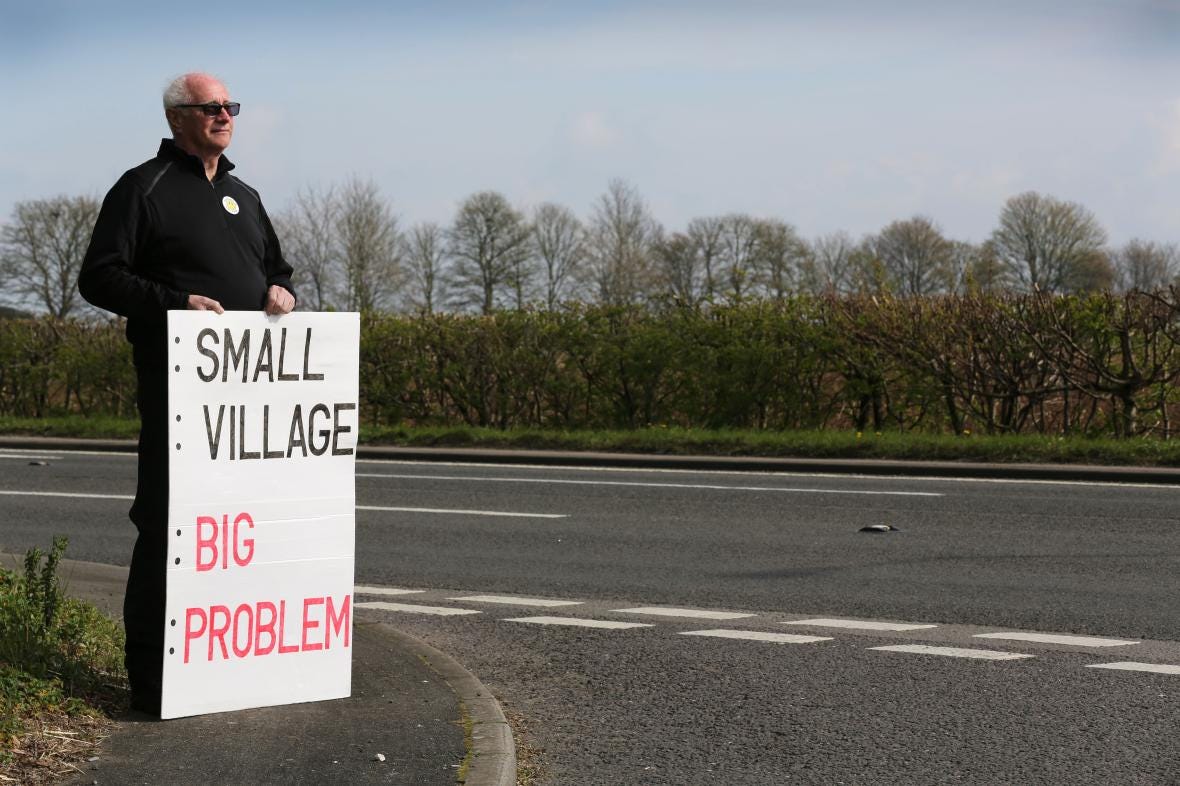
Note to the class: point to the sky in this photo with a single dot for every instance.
(836, 115)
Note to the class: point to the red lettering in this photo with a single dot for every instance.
(217, 632)
(224, 541)
(309, 625)
(209, 543)
(267, 627)
(242, 652)
(248, 543)
(284, 648)
(189, 633)
(335, 623)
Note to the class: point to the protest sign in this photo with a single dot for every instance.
(261, 509)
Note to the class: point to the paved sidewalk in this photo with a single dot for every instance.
(407, 707)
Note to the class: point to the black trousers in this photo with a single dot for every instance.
(143, 605)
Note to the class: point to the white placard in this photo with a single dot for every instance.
(261, 509)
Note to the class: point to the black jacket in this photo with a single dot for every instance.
(165, 232)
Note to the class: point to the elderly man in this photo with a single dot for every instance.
(176, 232)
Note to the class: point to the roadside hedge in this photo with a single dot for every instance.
(1101, 364)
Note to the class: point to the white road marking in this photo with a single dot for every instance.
(33, 456)
(439, 611)
(579, 623)
(1055, 638)
(952, 652)
(636, 484)
(1155, 668)
(658, 611)
(70, 495)
(754, 635)
(360, 590)
(509, 601)
(861, 624)
(501, 513)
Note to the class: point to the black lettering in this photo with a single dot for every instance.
(244, 454)
(204, 334)
(266, 452)
(239, 356)
(337, 429)
(265, 358)
(282, 356)
(306, 354)
(296, 425)
(233, 445)
(326, 433)
(214, 442)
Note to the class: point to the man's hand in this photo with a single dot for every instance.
(279, 300)
(202, 303)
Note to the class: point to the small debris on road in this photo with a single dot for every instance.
(379, 757)
(38, 463)
(880, 528)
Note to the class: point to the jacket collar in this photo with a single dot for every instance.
(169, 151)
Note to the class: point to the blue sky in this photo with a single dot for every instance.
(829, 115)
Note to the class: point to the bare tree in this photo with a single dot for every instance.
(914, 256)
(369, 245)
(621, 238)
(740, 250)
(41, 252)
(678, 266)
(488, 244)
(1043, 241)
(1146, 266)
(705, 234)
(831, 265)
(559, 243)
(781, 257)
(308, 233)
(425, 255)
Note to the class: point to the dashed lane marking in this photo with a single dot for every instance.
(466, 512)
(509, 601)
(861, 624)
(657, 611)
(579, 623)
(1155, 668)
(360, 590)
(952, 652)
(68, 494)
(754, 635)
(1057, 638)
(438, 611)
(637, 484)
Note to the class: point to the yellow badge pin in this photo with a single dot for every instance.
(231, 205)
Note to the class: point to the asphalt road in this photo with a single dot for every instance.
(652, 705)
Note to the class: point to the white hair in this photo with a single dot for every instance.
(177, 92)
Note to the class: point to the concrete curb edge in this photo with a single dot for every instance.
(493, 754)
(877, 467)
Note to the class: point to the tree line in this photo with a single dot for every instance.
(1100, 364)
(352, 252)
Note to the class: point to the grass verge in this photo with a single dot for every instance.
(61, 673)
(1143, 451)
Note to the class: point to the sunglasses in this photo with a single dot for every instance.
(213, 109)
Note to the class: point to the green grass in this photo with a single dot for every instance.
(60, 666)
(799, 444)
(1145, 451)
(72, 426)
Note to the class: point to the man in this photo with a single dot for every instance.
(178, 231)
